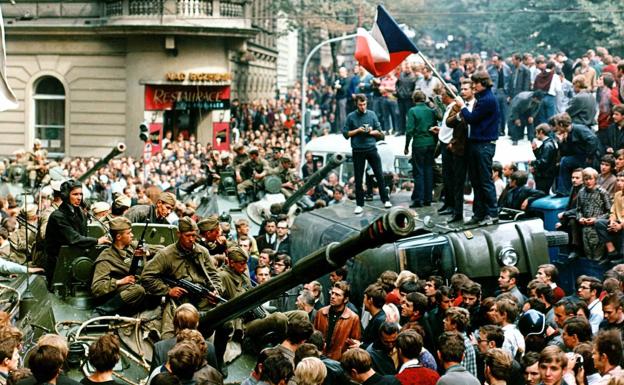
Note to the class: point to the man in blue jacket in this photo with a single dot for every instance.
(480, 147)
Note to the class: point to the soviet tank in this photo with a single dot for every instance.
(68, 309)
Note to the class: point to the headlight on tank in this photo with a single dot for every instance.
(507, 256)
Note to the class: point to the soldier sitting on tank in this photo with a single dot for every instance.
(240, 156)
(250, 175)
(212, 238)
(37, 166)
(519, 196)
(235, 281)
(182, 260)
(157, 213)
(22, 244)
(286, 172)
(67, 226)
(112, 281)
(276, 158)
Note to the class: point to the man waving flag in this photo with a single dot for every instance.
(383, 48)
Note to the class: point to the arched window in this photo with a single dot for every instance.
(49, 98)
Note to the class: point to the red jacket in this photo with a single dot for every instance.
(418, 376)
(347, 326)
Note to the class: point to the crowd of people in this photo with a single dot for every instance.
(409, 329)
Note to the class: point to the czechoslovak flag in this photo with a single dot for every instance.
(383, 48)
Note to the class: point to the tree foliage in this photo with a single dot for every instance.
(541, 26)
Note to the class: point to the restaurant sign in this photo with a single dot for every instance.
(182, 97)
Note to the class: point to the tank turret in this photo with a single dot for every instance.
(393, 225)
(118, 149)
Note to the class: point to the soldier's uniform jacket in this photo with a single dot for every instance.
(173, 262)
(141, 213)
(259, 165)
(239, 160)
(286, 174)
(214, 248)
(44, 218)
(19, 249)
(112, 264)
(234, 284)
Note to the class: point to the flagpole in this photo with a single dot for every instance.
(435, 72)
(304, 86)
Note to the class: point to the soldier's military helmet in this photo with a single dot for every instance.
(254, 151)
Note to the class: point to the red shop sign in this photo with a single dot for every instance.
(163, 97)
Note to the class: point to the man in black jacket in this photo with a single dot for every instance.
(67, 226)
(524, 109)
(578, 146)
(519, 196)
(544, 167)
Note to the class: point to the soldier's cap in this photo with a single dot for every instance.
(225, 155)
(208, 224)
(253, 151)
(168, 198)
(186, 224)
(122, 201)
(278, 149)
(29, 211)
(37, 142)
(120, 224)
(56, 185)
(236, 254)
(100, 207)
(238, 147)
(286, 158)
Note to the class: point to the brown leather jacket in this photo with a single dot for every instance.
(460, 131)
(347, 326)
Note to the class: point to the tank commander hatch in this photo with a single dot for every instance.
(183, 260)
(112, 282)
(157, 213)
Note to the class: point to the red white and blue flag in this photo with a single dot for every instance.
(383, 48)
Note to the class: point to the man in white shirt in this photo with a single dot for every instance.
(589, 290)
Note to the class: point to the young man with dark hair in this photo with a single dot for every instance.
(608, 354)
(451, 353)
(357, 364)
(576, 330)
(364, 129)
(548, 273)
(297, 332)
(278, 369)
(383, 350)
(337, 322)
(530, 367)
(613, 310)
(45, 362)
(508, 282)
(589, 290)
(411, 372)
(374, 300)
(103, 356)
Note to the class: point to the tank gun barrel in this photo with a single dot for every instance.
(118, 149)
(314, 179)
(395, 224)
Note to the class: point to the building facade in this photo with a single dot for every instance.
(87, 73)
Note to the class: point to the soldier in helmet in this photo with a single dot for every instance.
(157, 213)
(22, 244)
(249, 173)
(112, 281)
(184, 259)
(68, 226)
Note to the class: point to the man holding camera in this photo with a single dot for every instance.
(364, 130)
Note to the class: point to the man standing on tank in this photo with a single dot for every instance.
(482, 135)
(364, 130)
